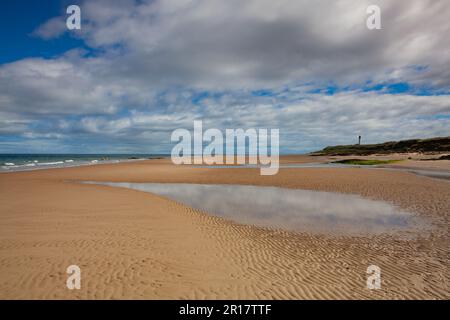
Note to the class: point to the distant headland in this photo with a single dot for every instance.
(432, 145)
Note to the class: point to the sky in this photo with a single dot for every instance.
(137, 70)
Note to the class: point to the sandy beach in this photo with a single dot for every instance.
(135, 245)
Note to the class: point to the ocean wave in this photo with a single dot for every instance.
(34, 164)
(50, 163)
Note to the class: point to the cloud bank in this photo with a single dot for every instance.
(310, 68)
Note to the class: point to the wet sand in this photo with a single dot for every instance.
(135, 245)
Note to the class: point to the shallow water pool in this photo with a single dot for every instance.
(291, 209)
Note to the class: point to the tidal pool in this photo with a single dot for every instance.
(292, 209)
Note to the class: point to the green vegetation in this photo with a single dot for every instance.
(363, 162)
(416, 145)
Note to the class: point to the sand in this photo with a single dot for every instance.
(135, 245)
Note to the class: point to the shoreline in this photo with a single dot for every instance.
(66, 165)
(131, 244)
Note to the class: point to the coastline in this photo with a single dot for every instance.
(131, 244)
(28, 162)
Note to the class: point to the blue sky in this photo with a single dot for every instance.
(18, 21)
(137, 70)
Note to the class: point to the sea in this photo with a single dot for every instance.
(24, 162)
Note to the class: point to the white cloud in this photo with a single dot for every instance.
(231, 44)
(317, 121)
(52, 28)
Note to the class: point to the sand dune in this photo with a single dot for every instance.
(134, 245)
